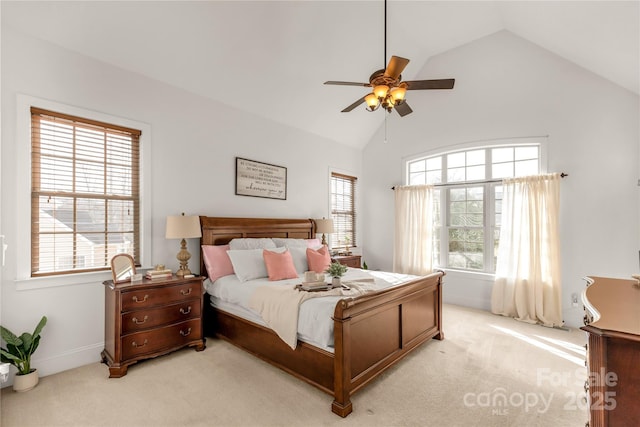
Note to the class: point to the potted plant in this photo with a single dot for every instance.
(18, 353)
(336, 270)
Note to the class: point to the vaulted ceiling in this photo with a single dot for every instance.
(271, 58)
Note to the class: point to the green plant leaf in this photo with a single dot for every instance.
(39, 327)
(35, 345)
(27, 340)
(9, 337)
(8, 357)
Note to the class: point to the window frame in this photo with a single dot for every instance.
(42, 153)
(23, 280)
(353, 212)
(489, 184)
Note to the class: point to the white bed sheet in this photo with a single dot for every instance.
(315, 325)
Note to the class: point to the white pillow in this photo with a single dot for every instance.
(290, 243)
(251, 243)
(248, 264)
(299, 255)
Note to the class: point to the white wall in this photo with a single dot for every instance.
(194, 142)
(508, 87)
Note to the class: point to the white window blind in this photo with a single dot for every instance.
(343, 210)
(85, 197)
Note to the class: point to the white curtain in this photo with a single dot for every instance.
(527, 283)
(412, 249)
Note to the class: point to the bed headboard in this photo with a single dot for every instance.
(220, 231)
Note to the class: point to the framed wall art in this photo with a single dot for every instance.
(257, 179)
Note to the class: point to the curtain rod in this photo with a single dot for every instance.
(486, 181)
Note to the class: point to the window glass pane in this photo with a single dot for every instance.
(498, 204)
(455, 174)
(475, 193)
(526, 167)
(475, 173)
(417, 166)
(434, 177)
(417, 178)
(458, 193)
(55, 174)
(89, 177)
(466, 248)
(434, 163)
(500, 155)
(502, 170)
(455, 160)
(526, 153)
(476, 157)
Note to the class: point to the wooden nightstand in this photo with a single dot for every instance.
(349, 260)
(150, 318)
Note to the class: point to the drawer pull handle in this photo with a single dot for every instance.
(586, 386)
(182, 310)
(183, 333)
(135, 298)
(138, 322)
(136, 345)
(185, 293)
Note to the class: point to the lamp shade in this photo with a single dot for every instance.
(324, 225)
(183, 227)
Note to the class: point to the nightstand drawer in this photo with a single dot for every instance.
(349, 260)
(139, 320)
(134, 300)
(161, 339)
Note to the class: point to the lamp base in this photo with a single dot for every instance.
(183, 272)
(183, 257)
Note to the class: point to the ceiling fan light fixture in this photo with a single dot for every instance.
(388, 103)
(398, 93)
(381, 91)
(372, 102)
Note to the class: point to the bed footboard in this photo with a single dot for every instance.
(373, 332)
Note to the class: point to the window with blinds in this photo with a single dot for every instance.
(343, 210)
(85, 202)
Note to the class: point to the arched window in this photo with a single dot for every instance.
(468, 199)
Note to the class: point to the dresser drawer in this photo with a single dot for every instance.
(136, 299)
(134, 321)
(156, 340)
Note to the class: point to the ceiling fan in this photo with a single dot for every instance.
(388, 88)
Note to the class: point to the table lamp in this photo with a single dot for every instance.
(183, 227)
(324, 226)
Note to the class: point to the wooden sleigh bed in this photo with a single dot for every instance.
(371, 332)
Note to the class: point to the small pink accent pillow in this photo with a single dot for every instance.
(279, 265)
(217, 261)
(313, 243)
(318, 260)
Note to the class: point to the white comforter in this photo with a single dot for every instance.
(315, 325)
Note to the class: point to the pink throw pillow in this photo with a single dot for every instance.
(279, 265)
(318, 260)
(313, 243)
(217, 261)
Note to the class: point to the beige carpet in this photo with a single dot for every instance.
(489, 371)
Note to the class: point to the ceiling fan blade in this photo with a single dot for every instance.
(403, 109)
(395, 67)
(331, 82)
(430, 84)
(354, 105)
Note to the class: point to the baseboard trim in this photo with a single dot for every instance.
(69, 359)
